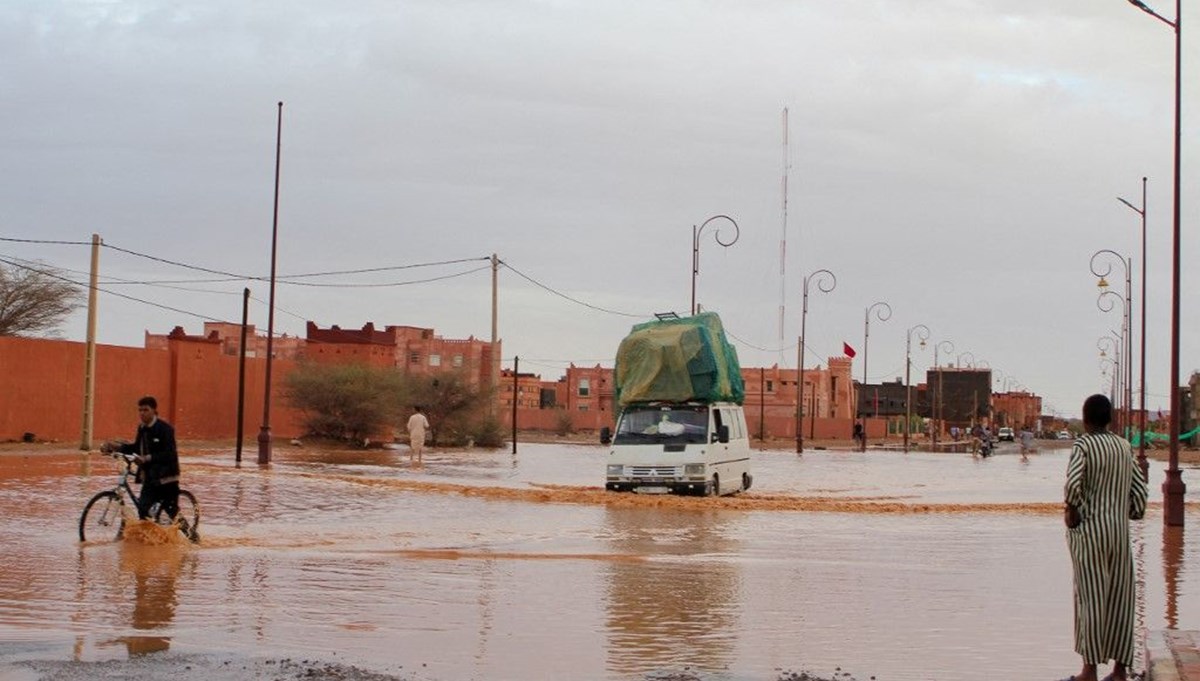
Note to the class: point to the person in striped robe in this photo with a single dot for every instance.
(1104, 490)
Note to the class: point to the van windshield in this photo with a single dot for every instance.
(674, 424)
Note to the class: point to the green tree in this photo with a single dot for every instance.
(345, 401)
(34, 299)
(457, 409)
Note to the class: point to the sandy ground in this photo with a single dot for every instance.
(209, 668)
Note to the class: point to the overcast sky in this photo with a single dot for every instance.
(959, 160)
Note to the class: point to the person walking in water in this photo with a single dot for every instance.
(1104, 491)
(417, 425)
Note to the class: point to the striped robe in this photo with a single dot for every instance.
(1105, 483)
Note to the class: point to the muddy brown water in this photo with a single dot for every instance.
(487, 565)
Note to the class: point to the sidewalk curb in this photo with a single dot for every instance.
(1172, 655)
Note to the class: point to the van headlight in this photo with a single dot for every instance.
(693, 469)
(615, 469)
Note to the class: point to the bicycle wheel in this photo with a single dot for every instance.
(103, 518)
(187, 519)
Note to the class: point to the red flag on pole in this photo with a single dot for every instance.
(849, 351)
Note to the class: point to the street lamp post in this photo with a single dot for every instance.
(826, 282)
(937, 409)
(696, 233)
(883, 312)
(1105, 363)
(922, 334)
(1112, 343)
(1143, 462)
(1173, 487)
(264, 433)
(1105, 304)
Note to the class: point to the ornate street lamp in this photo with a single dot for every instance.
(826, 282)
(1112, 344)
(1105, 301)
(1143, 462)
(696, 233)
(883, 312)
(922, 332)
(949, 347)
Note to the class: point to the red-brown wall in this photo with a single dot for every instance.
(42, 390)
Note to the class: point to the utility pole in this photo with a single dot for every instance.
(264, 433)
(89, 362)
(494, 370)
(516, 397)
(762, 402)
(241, 402)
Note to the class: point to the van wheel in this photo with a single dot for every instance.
(715, 490)
(746, 481)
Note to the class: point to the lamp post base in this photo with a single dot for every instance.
(1173, 490)
(264, 445)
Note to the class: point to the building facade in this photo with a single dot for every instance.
(1019, 410)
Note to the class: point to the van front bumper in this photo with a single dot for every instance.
(658, 486)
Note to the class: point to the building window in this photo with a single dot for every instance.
(458, 360)
(583, 407)
(414, 357)
(435, 360)
(770, 386)
(585, 387)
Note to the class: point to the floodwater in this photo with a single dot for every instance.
(488, 565)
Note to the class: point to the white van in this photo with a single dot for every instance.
(684, 447)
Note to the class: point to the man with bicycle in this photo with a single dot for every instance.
(154, 451)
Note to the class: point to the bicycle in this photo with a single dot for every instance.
(104, 514)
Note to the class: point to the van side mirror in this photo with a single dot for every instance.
(723, 434)
(605, 435)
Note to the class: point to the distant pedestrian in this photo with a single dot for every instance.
(417, 425)
(1103, 492)
(858, 432)
(1026, 441)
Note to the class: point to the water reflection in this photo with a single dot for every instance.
(1172, 561)
(155, 570)
(677, 608)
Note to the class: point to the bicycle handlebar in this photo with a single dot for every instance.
(128, 458)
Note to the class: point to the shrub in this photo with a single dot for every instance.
(345, 401)
(454, 406)
(563, 424)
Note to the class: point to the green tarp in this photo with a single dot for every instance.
(676, 360)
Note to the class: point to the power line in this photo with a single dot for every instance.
(287, 312)
(761, 349)
(567, 297)
(119, 281)
(45, 241)
(112, 293)
(176, 263)
(287, 278)
(388, 268)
